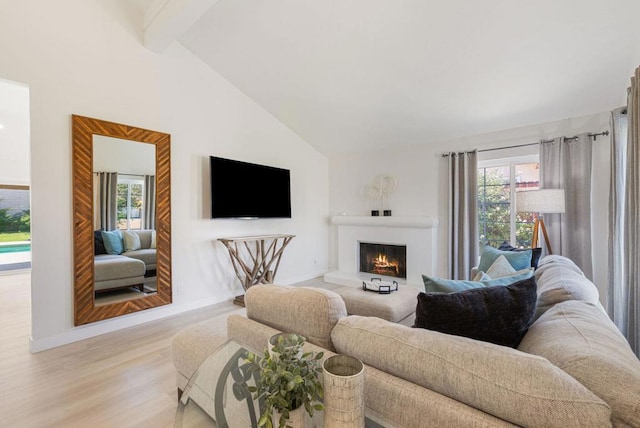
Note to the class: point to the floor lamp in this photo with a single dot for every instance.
(544, 201)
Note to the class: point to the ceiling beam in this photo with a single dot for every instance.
(166, 20)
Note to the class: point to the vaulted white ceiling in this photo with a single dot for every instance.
(349, 75)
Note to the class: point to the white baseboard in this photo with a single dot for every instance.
(102, 327)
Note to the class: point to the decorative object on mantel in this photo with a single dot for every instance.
(380, 286)
(263, 251)
(289, 382)
(384, 185)
(343, 392)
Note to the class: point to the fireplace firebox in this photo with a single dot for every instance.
(383, 259)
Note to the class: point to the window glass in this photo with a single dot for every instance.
(498, 223)
(527, 177)
(494, 206)
(130, 205)
(15, 217)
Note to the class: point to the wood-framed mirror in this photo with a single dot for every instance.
(135, 264)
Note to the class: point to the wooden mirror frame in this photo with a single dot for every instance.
(83, 130)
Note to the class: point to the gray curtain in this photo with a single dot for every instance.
(624, 224)
(566, 164)
(463, 214)
(105, 204)
(617, 290)
(149, 204)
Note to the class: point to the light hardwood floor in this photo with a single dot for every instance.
(121, 379)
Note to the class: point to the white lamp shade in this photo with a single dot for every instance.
(547, 201)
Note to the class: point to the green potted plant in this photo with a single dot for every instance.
(289, 381)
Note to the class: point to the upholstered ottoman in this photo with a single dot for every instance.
(398, 306)
(115, 271)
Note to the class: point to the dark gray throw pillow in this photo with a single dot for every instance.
(98, 243)
(499, 315)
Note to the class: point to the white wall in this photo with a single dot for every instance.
(85, 57)
(123, 156)
(422, 179)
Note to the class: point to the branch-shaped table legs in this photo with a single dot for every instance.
(255, 259)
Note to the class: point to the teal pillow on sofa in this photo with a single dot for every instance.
(440, 285)
(518, 259)
(113, 241)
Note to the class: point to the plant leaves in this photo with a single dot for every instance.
(264, 419)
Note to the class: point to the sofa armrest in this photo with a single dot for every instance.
(192, 346)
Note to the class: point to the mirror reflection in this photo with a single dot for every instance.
(130, 186)
(124, 217)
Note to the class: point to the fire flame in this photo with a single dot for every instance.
(382, 262)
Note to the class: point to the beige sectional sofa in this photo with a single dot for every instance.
(127, 269)
(572, 369)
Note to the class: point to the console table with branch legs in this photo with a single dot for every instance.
(255, 259)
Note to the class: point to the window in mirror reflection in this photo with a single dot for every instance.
(130, 203)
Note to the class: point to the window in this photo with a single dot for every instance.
(130, 203)
(15, 217)
(498, 181)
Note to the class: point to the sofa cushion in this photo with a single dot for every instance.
(580, 339)
(499, 315)
(434, 284)
(148, 256)
(560, 279)
(518, 259)
(146, 236)
(311, 312)
(110, 267)
(523, 389)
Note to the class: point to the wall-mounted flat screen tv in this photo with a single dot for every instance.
(248, 190)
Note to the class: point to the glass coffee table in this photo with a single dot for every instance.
(217, 394)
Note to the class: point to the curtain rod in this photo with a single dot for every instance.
(125, 173)
(575, 137)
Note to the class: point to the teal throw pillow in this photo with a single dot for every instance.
(440, 285)
(518, 259)
(112, 241)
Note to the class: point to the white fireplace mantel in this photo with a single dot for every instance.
(418, 234)
(415, 222)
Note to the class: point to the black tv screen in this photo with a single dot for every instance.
(248, 190)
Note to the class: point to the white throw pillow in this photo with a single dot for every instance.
(153, 239)
(131, 240)
(481, 276)
(501, 267)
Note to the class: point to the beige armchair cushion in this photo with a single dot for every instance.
(311, 312)
(524, 389)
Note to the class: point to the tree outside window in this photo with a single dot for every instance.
(498, 223)
(130, 204)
